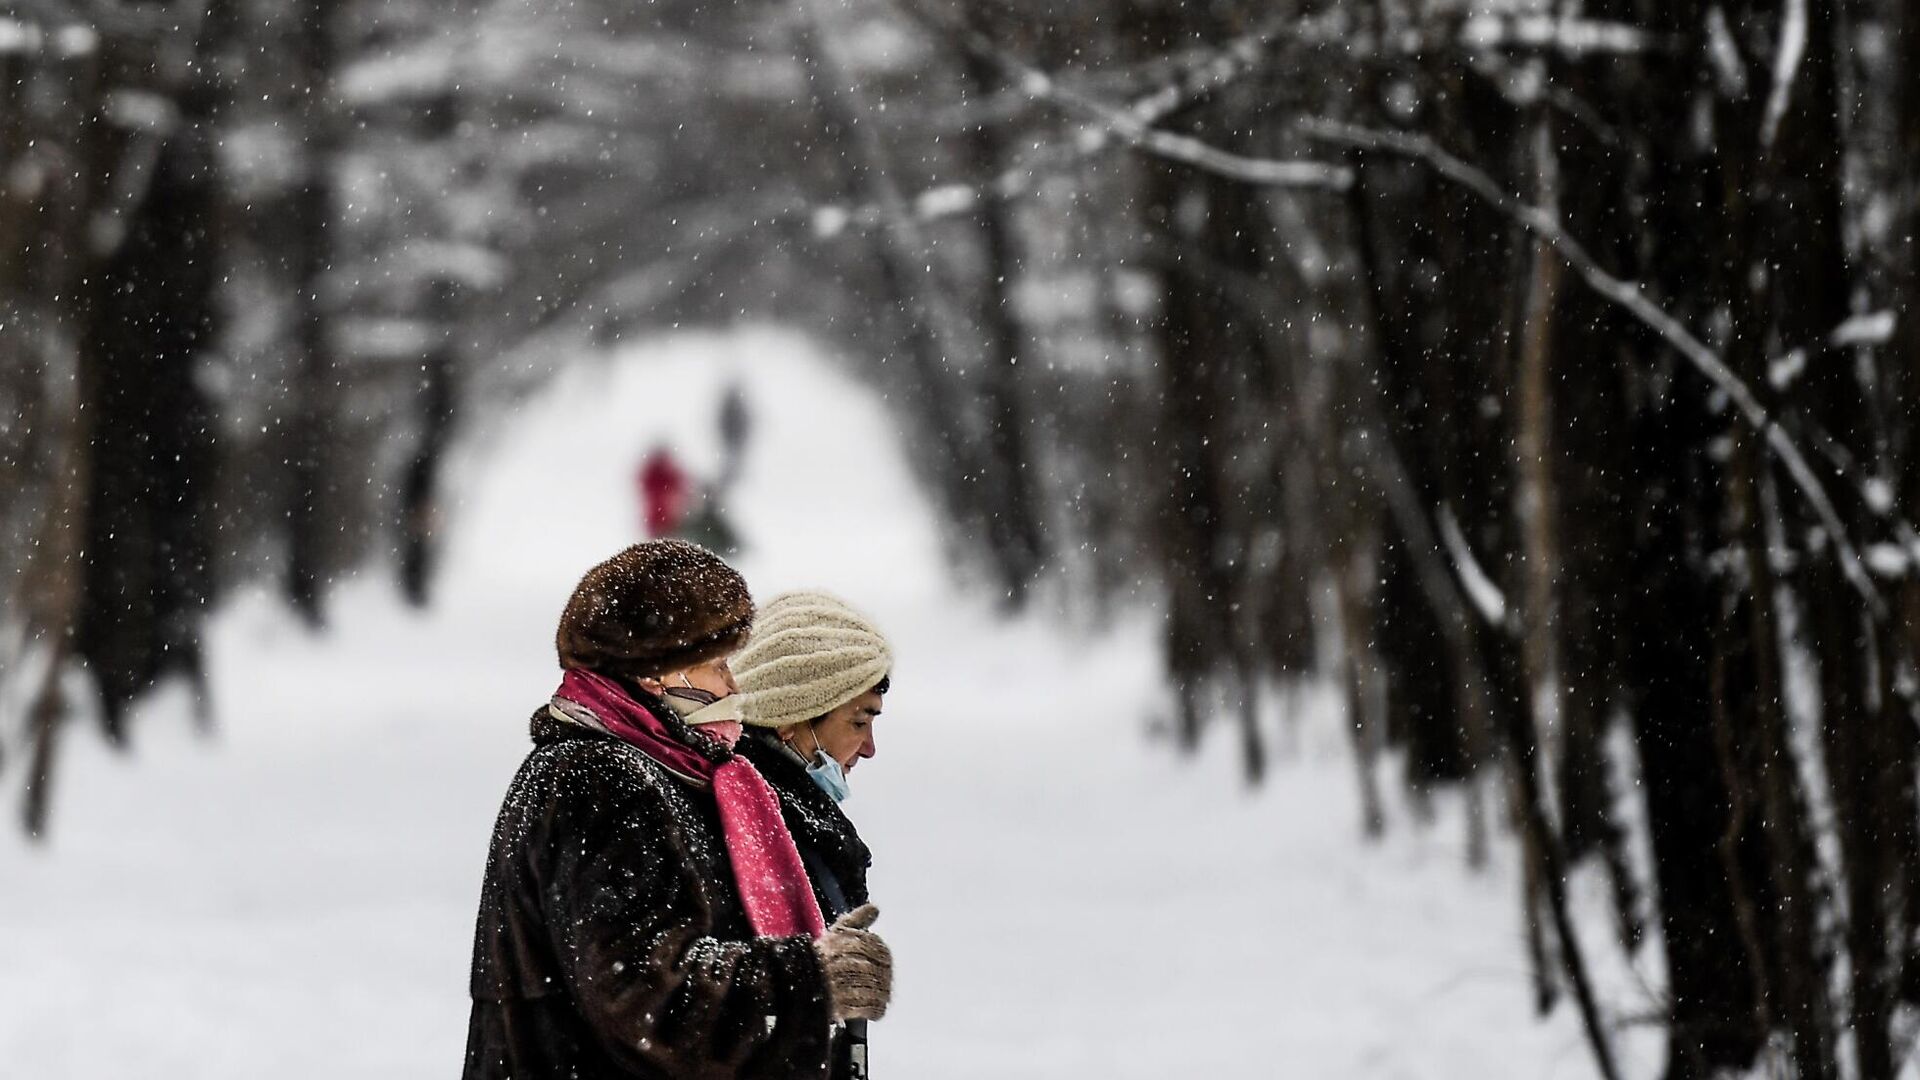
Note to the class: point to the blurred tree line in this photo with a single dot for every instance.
(1539, 375)
(262, 260)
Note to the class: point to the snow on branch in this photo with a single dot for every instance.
(1566, 35)
(141, 110)
(1867, 328)
(398, 76)
(1205, 71)
(1212, 69)
(1129, 128)
(1266, 172)
(1484, 32)
(1383, 463)
(18, 37)
(1786, 62)
(1134, 124)
(1630, 297)
(1199, 75)
(1338, 29)
(1486, 596)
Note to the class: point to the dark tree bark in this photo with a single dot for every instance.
(312, 514)
(1011, 498)
(152, 310)
(420, 503)
(52, 585)
(1903, 363)
(1199, 337)
(1710, 983)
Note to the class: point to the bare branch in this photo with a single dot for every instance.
(1129, 127)
(1187, 77)
(1568, 36)
(1133, 125)
(1630, 297)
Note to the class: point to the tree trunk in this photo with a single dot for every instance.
(51, 587)
(153, 305)
(312, 515)
(1015, 525)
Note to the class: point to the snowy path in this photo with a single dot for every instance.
(296, 898)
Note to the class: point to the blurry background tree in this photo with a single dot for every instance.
(1540, 376)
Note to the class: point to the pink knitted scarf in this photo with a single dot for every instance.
(766, 864)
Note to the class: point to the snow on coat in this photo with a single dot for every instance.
(611, 941)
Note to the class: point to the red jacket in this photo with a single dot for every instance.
(665, 491)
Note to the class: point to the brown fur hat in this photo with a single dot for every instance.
(656, 607)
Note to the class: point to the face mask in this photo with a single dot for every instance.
(697, 706)
(829, 774)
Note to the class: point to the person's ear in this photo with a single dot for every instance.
(651, 685)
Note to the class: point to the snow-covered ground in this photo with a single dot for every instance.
(295, 897)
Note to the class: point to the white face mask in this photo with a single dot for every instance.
(697, 706)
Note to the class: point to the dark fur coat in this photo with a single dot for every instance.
(611, 941)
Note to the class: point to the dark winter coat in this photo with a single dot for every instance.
(836, 859)
(611, 941)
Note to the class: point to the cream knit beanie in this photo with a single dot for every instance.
(809, 654)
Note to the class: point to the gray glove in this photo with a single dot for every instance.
(858, 964)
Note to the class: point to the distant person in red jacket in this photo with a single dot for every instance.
(666, 492)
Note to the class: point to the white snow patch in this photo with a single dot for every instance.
(1785, 369)
(945, 201)
(1866, 328)
(17, 36)
(141, 110)
(1569, 36)
(1889, 561)
(1877, 491)
(830, 221)
(77, 39)
(1724, 54)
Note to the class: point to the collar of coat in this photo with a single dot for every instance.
(814, 819)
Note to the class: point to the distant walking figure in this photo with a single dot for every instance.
(735, 425)
(666, 492)
(706, 521)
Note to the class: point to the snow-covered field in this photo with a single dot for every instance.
(1066, 899)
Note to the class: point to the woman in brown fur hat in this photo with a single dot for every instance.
(645, 911)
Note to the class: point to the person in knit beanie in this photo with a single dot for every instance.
(812, 680)
(814, 671)
(646, 911)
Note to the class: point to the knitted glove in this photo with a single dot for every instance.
(858, 964)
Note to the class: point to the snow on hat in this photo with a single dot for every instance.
(655, 607)
(809, 654)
